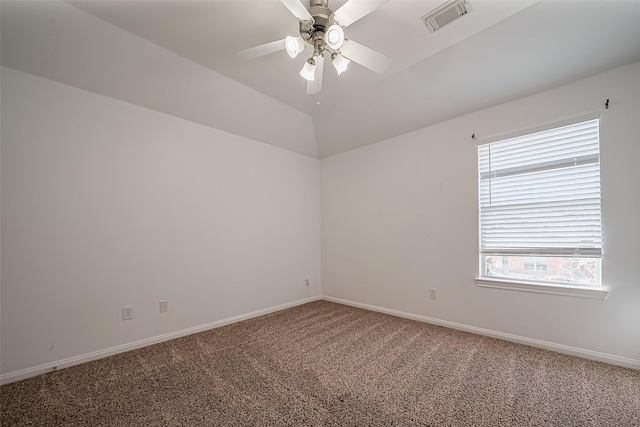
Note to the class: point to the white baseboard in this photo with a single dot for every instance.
(76, 360)
(559, 348)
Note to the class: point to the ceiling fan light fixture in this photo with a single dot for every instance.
(323, 30)
(309, 70)
(294, 45)
(339, 62)
(334, 36)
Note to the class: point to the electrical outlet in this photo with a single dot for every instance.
(433, 293)
(164, 306)
(127, 312)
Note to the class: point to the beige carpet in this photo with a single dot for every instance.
(325, 364)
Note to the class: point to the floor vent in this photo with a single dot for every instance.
(446, 14)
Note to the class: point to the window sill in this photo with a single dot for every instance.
(570, 291)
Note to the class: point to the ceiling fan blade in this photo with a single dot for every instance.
(365, 56)
(353, 10)
(298, 9)
(315, 86)
(263, 49)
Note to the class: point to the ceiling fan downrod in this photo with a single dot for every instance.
(314, 32)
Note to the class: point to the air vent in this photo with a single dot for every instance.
(446, 14)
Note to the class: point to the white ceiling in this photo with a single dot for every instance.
(502, 50)
(211, 32)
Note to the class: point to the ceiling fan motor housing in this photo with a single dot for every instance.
(322, 20)
(321, 13)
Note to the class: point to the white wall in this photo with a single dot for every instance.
(106, 204)
(400, 217)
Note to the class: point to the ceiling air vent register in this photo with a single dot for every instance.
(446, 14)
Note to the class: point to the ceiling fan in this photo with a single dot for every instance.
(323, 30)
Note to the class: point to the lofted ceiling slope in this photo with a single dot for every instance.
(178, 57)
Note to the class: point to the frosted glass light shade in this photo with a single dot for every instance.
(339, 62)
(334, 37)
(309, 70)
(293, 45)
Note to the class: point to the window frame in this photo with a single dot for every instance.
(575, 290)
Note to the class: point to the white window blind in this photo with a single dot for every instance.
(540, 193)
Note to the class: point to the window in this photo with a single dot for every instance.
(540, 207)
(505, 262)
(535, 263)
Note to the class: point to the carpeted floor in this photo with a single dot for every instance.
(325, 364)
